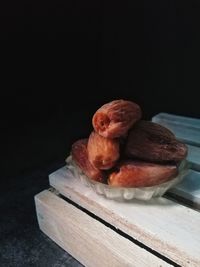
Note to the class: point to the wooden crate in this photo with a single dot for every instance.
(101, 232)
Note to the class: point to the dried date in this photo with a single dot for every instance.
(133, 173)
(115, 118)
(152, 142)
(80, 156)
(103, 152)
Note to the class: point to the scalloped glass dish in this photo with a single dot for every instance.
(122, 193)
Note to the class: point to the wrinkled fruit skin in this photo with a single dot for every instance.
(103, 153)
(152, 142)
(80, 156)
(115, 118)
(141, 174)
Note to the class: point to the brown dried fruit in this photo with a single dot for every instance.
(102, 152)
(115, 118)
(141, 174)
(152, 142)
(80, 156)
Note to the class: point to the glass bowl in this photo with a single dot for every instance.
(123, 193)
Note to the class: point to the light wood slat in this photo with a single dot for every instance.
(88, 240)
(193, 157)
(182, 120)
(189, 189)
(185, 128)
(165, 226)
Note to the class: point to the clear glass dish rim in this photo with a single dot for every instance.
(123, 192)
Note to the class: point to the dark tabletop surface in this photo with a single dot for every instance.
(30, 155)
(22, 243)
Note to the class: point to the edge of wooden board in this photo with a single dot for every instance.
(86, 239)
(163, 225)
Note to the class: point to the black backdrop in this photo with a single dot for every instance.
(62, 59)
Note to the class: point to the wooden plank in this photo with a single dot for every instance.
(87, 239)
(189, 189)
(165, 226)
(185, 128)
(193, 157)
(182, 120)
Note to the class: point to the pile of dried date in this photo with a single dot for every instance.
(125, 151)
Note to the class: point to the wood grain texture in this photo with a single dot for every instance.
(87, 239)
(181, 120)
(193, 156)
(189, 189)
(165, 226)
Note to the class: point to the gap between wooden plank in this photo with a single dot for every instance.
(87, 239)
(118, 231)
(178, 198)
(193, 157)
(187, 192)
(165, 226)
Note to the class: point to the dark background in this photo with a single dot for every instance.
(60, 61)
